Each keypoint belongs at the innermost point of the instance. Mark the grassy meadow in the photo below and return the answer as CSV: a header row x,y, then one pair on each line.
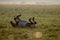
x,y
47,17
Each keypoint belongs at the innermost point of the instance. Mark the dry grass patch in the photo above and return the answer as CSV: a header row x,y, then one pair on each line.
x,y
38,34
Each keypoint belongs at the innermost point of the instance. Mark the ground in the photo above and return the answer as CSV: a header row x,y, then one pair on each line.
x,y
47,17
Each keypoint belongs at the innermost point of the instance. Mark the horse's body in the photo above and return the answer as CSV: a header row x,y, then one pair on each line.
x,y
23,23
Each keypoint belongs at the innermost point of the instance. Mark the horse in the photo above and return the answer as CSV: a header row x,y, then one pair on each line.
x,y
23,23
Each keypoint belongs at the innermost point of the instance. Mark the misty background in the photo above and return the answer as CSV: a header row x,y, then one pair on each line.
x,y
31,1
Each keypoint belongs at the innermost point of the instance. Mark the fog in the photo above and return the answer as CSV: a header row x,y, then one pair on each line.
x,y
30,1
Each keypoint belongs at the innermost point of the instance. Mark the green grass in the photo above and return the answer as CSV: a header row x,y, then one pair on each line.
x,y
47,17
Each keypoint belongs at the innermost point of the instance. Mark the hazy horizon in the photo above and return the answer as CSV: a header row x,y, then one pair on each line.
x,y
31,1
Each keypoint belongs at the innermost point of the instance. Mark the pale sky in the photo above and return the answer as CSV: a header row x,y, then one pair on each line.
x,y
30,0
45,1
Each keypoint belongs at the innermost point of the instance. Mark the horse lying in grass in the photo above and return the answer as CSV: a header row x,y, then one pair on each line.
x,y
23,23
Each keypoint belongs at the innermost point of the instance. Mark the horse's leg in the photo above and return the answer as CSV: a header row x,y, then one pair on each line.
x,y
34,20
18,15
13,24
33,24
30,21
17,19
